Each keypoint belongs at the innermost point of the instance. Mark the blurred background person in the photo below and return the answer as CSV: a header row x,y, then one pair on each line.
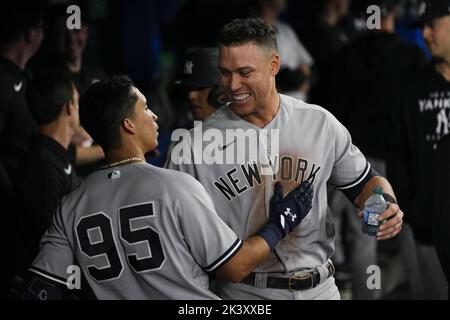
x,y
201,83
361,91
441,205
422,121
326,37
295,74
64,48
21,34
362,88
47,172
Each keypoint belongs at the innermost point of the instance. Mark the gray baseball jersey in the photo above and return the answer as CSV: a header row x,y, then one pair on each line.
x,y
313,146
138,232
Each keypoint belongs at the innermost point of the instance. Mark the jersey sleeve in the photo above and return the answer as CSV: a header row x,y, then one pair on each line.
x,y
212,243
351,170
55,254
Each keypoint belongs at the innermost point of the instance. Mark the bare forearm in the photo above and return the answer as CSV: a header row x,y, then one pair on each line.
x,y
253,252
88,155
370,186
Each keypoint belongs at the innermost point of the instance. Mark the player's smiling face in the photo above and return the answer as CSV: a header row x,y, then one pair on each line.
x,y
248,76
147,129
436,37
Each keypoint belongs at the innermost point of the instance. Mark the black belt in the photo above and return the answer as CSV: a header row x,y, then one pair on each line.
x,y
303,281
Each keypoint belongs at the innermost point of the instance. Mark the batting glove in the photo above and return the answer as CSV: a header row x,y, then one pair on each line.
x,y
287,213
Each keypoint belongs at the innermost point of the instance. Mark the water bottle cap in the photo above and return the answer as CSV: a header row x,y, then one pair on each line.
x,y
378,190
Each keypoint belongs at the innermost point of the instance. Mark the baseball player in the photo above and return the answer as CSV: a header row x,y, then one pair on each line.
x,y
201,80
141,232
313,146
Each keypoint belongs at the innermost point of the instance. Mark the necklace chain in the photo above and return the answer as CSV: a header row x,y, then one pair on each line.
x,y
122,162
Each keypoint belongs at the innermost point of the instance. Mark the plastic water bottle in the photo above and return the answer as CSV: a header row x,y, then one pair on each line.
x,y
374,206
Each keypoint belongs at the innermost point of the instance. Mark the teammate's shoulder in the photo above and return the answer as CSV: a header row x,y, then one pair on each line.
x,y
300,106
144,175
170,179
222,118
310,115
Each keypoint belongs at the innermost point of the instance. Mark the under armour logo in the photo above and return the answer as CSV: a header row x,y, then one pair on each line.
x,y
290,214
188,67
422,8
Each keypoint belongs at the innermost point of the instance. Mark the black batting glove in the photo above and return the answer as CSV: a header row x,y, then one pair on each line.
x,y
287,213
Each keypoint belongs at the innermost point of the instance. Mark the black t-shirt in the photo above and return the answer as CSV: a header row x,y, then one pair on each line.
x,y
421,123
441,204
16,121
324,41
87,77
363,85
45,177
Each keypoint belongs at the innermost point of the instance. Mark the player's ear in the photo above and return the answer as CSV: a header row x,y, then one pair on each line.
x,y
129,126
275,64
67,108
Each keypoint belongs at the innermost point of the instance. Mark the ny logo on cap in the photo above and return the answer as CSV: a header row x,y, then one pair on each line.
x,y
422,8
289,213
188,67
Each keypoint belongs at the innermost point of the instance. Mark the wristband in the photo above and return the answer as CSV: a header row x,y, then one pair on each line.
x,y
272,234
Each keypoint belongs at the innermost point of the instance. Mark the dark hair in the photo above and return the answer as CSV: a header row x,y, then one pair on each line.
x,y
47,94
104,106
19,17
256,30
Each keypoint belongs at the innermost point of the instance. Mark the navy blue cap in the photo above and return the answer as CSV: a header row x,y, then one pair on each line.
x,y
429,10
201,69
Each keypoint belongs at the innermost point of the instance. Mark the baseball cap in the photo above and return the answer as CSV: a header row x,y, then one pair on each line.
x,y
200,69
429,10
